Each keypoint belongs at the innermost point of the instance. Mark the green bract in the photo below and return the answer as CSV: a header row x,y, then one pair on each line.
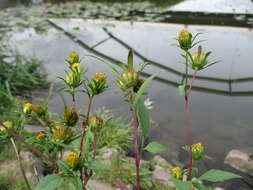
x,y
185,40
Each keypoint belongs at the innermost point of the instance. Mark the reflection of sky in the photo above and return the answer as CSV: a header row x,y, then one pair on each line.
x,y
221,6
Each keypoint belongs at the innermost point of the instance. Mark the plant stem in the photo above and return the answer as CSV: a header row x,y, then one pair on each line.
x,y
20,164
137,157
188,124
85,126
186,71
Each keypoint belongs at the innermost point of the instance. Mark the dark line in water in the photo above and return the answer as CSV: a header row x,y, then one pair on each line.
x,y
97,44
162,80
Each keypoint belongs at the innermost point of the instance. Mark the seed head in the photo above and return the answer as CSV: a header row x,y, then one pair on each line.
x,y
27,108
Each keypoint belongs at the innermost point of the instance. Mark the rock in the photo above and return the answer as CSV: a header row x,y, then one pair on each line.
x,y
33,128
162,176
218,188
94,184
160,161
240,160
107,155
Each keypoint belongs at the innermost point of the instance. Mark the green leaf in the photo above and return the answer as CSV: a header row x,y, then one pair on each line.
x,y
63,166
141,90
215,175
130,60
182,185
50,182
155,148
143,118
200,186
71,183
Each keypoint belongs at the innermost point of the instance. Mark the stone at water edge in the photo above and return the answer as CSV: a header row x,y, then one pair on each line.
x,y
162,176
103,186
158,160
240,160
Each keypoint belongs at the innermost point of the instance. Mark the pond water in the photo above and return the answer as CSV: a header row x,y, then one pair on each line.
x,y
221,102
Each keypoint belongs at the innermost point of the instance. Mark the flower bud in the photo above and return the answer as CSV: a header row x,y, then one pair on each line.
x,y
96,122
197,151
198,61
77,67
40,136
70,116
61,133
128,79
98,83
73,78
7,124
73,58
37,108
176,172
27,108
73,160
185,40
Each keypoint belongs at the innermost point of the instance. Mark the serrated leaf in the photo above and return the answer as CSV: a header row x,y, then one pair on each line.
x,y
50,182
143,118
142,89
155,148
215,175
182,185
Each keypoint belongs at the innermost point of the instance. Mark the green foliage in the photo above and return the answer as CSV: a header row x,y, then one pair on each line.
x,y
143,118
123,169
10,182
18,75
155,148
215,175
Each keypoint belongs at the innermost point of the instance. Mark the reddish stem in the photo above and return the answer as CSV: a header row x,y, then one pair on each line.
x,y
188,124
137,157
85,126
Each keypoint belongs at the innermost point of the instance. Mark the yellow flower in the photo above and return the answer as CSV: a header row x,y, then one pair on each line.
x,y
40,136
77,67
128,79
176,172
197,151
185,39
198,62
96,122
98,83
8,124
70,116
37,108
61,134
27,108
100,77
73,58
72,160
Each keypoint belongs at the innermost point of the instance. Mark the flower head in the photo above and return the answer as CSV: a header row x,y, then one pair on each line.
x,y
61,133
73,160
27,108
197,151
73,78
40,136
198,61
73,58
185,39
7,124
38,109
128,80
77,67
96,122
70,116
98,83
176,172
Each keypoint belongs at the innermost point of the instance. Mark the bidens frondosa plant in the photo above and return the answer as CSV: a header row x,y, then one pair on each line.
x,y
186,179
